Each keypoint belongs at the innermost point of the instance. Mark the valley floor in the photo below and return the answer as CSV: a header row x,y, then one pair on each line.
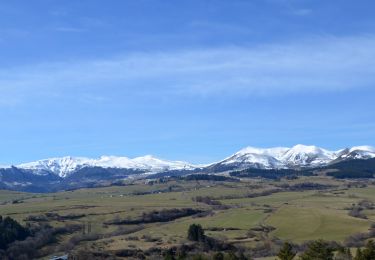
x,y
251,214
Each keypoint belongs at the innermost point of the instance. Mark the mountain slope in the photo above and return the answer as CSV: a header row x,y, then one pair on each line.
x,y
295,157
355,153
65,166
301,155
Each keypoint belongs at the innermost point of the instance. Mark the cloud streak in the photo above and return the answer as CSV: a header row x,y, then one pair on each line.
x,y
320,65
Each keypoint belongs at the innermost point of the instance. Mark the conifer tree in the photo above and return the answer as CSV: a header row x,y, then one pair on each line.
x,y
343,254
368,253
196,233
318,250
286,252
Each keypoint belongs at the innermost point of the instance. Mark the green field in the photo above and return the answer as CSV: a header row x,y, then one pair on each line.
x,y
295,216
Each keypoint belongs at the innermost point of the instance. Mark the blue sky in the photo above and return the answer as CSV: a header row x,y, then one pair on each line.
x,y
192,80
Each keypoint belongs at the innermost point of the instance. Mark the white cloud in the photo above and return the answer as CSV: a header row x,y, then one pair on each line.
x,y
319,65
302,12
69,29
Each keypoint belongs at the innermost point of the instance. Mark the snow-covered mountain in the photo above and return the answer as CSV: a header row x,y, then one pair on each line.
x,y
294,157
256,157
63,173
356,152
302,155
64,166
250,157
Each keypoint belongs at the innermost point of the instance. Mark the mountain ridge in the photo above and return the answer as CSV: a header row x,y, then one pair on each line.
x,y
68,172
298,156
64,166
265,158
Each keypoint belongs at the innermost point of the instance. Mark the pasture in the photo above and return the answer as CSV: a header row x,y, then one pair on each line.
x,y
240,217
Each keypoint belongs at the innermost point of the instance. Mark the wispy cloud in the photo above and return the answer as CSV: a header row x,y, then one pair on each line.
x,y
13,32
301,12
69,29
219,27
319,65
59,12
293,7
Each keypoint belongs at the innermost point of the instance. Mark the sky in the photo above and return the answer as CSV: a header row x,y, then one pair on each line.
x,y
192,80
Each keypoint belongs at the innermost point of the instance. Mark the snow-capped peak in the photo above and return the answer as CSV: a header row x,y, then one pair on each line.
x,y
303,155
256,157
148,163
274,152
64,166
268,158
296,156
60,166
357,152
311,149
364,148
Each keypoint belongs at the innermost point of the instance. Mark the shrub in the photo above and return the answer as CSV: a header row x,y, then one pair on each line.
x,y
218,256
10,231
164,215
318,250
286,252
368,253
196,233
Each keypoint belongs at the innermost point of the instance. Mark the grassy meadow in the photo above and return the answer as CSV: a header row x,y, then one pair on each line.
x,y
242,219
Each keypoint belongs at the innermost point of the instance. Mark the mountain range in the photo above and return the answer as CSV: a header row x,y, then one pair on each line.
x,y
76,172
65,166
299,156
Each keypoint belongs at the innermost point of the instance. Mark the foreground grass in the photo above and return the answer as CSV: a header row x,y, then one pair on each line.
x,y
300,224
296,216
